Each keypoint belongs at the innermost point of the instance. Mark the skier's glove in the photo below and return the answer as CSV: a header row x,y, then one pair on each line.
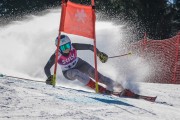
x,y
49,80
1,75
102,57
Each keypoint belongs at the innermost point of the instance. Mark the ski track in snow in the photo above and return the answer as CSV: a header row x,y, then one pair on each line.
x,y
24,100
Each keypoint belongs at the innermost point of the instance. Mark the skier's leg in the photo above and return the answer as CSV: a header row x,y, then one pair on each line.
x,y
102,89
73,74
90,71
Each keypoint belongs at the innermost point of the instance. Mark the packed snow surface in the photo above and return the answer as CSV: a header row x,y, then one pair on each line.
x,y
25,100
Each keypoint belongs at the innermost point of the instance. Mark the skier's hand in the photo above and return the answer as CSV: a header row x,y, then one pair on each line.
x,y
49,80
102,57
1,75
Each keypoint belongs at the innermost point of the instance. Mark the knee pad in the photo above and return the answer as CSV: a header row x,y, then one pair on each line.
x,y
70,75
76,74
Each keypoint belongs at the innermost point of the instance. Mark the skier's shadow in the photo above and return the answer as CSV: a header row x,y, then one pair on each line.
x,y
107,100
118,102
111,101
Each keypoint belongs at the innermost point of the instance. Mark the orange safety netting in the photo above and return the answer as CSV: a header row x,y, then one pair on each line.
x,y
163,56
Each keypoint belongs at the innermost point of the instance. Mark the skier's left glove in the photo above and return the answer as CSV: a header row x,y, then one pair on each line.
x,y
49,80
102,57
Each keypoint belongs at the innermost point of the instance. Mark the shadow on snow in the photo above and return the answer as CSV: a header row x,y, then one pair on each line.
x,y
111,101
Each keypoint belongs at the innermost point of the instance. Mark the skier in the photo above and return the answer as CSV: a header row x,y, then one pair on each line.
x,y
74,67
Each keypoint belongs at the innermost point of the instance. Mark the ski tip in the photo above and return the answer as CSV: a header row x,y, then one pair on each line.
x,y
148,98
153,99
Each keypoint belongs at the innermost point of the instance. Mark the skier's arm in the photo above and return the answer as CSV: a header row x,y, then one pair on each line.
x,y
79,46
102,56
50,63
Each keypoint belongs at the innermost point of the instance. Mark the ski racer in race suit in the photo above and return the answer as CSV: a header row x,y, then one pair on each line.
x,y
74,67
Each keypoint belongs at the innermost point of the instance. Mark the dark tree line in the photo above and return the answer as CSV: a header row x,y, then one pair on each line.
x,y
16,9
10,8
159,18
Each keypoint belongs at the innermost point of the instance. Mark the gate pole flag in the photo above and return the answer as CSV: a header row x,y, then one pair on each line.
x,y
79,20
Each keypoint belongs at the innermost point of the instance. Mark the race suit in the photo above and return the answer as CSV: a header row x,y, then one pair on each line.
x,y
74,67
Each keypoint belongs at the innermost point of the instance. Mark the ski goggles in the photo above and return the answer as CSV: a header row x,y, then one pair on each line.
x,y
65,46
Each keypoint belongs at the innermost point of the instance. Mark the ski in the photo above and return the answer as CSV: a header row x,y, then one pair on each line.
x,y
148,98
129,94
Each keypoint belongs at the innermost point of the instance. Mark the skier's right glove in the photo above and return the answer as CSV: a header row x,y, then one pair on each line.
x,y
49,80
102,57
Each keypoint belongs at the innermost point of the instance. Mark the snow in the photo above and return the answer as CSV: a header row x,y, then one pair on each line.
x,y
25,47
27,100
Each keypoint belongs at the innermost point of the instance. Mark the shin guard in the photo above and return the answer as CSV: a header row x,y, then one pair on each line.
x,y
102,89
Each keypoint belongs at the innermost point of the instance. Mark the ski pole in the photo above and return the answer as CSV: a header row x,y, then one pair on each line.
x,y
121,55
1,75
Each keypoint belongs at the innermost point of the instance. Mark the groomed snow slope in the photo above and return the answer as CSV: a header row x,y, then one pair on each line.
x,y
25,100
